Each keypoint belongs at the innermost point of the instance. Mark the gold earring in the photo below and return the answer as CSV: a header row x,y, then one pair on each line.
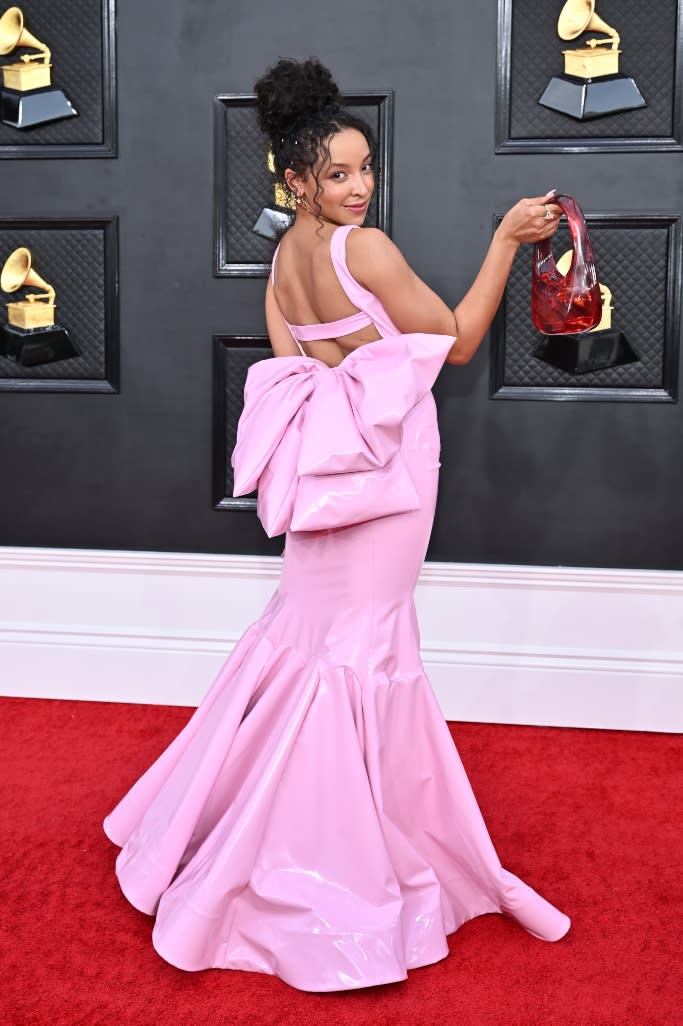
x,y
305,205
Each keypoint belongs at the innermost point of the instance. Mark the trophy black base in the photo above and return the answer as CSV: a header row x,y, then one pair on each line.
x,y
272,223
585,98
37,346
37,107
586,351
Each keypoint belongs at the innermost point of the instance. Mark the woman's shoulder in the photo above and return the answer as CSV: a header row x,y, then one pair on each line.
x,y
368,238
371,253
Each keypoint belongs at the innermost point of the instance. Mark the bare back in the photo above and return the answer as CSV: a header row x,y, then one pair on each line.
x,y
308,291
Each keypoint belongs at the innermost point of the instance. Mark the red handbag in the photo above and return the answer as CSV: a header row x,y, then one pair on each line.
x,y
570,303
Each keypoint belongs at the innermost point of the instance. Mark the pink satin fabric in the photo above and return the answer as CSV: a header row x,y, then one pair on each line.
x,y
313,820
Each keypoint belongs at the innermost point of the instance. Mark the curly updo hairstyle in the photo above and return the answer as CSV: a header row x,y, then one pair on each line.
x,y
299,108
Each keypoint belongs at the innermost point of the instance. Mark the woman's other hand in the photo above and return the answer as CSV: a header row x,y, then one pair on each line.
x,y
528,220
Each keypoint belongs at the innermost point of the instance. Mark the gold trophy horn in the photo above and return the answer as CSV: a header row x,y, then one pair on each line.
x,y
14,34
38,309
579,16
33,70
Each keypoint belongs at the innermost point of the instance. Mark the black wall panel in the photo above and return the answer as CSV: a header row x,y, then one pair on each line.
x,y
586,484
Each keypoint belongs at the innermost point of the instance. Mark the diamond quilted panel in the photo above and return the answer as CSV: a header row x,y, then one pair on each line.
x,y
648,44
633,262
74,34
238,357
72,261
247,186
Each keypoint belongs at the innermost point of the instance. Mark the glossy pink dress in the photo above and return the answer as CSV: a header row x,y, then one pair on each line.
x,y
313,819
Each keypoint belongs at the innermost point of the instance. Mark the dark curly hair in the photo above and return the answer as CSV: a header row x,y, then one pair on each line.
x,y
299,108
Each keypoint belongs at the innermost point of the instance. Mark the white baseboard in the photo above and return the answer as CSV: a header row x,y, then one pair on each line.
x,y
536,645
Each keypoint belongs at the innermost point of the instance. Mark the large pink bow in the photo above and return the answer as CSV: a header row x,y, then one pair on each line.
x,y
322,444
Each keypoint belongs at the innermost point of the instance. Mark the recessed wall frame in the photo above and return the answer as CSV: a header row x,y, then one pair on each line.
x,y
638,258
530,54
78,257
82,38
243,185
233,355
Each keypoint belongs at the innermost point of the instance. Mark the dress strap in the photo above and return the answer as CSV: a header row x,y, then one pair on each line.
x,y
272,264
355,292
331,329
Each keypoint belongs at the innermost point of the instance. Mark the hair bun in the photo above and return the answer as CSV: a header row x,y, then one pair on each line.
x,y
291,92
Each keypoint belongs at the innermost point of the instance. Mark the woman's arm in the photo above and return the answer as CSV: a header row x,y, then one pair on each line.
x,y
378,264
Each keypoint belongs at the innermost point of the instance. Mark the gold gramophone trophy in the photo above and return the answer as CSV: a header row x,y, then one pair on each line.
x,y
598,349
31,336
273,221
592,84
27,97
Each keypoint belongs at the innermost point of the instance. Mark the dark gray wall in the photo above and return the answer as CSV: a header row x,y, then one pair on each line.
x,y
587,484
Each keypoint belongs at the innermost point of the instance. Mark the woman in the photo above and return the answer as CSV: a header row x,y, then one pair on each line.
x,y
313,820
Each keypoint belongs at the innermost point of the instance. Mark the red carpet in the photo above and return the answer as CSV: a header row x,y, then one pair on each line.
x,y
591,818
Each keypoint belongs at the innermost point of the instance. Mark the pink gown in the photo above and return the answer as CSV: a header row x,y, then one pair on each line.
x,y
313,819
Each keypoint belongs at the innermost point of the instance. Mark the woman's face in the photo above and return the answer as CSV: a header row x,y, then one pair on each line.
x,y
346,184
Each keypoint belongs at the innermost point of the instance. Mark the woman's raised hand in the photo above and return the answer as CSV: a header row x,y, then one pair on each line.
x,y
531,220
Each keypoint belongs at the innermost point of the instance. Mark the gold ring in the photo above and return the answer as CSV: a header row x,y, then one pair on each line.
x,y
548,216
